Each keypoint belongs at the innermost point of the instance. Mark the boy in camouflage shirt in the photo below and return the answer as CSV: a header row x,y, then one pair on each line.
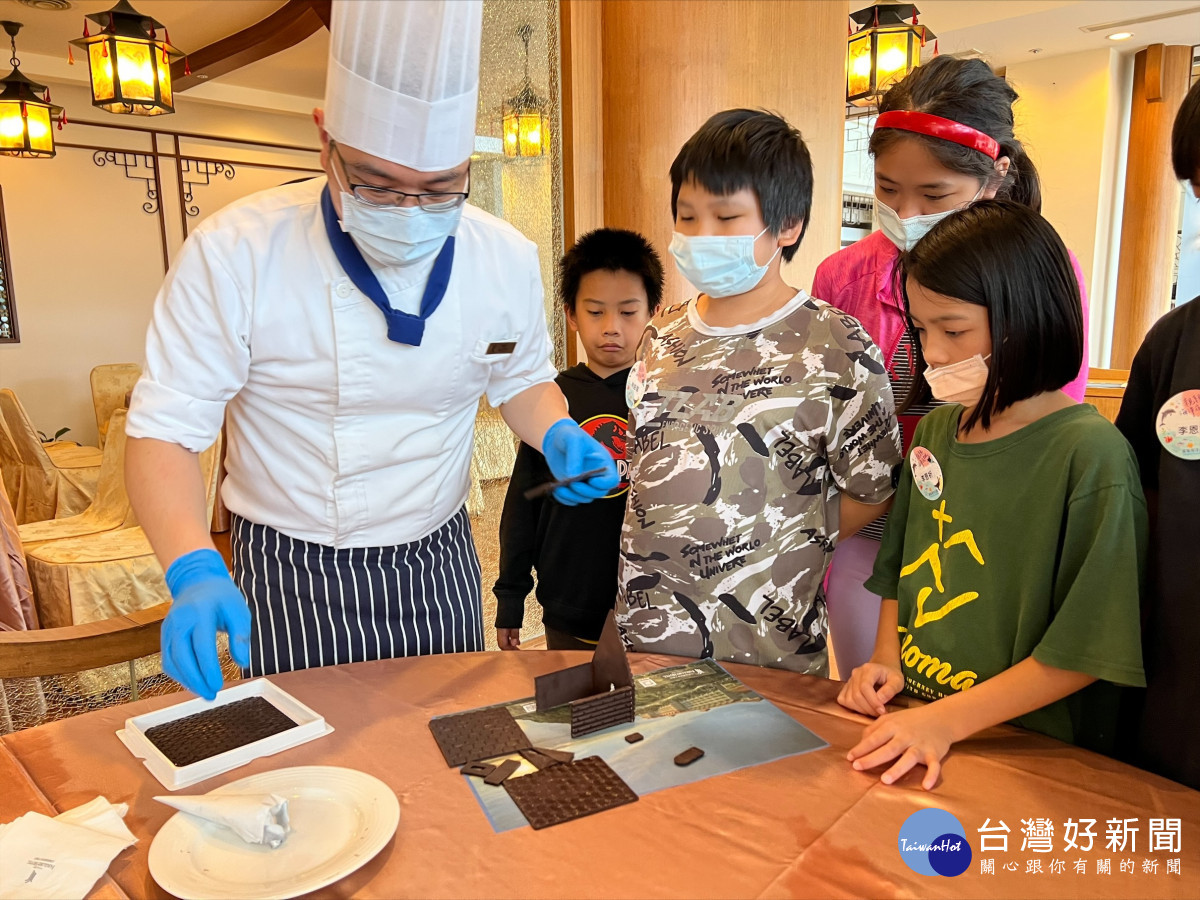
x,y
762,426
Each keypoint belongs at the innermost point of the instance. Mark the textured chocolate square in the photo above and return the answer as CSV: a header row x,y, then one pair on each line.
x,y
633,737
479,734
497,776
218,730
569,791
688,756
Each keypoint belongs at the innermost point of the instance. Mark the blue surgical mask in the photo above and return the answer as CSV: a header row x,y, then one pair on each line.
x,y
720,265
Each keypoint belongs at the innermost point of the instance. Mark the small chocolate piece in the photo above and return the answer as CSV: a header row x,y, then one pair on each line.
x,y
688,756
479,734
217,730
478,769
568,791
563,756
634,737
499,773
539,759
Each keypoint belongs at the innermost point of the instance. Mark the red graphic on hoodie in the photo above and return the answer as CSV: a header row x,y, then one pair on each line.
x,y
611,431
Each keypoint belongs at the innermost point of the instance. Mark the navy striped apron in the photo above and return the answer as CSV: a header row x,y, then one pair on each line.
x,y
313,605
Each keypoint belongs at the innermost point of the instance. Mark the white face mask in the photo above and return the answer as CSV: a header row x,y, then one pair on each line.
x,y
905,233
720,265
962,382
396,236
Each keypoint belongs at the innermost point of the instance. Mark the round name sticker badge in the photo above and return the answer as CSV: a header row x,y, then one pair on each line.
x,y
1178,425
927,473
635,385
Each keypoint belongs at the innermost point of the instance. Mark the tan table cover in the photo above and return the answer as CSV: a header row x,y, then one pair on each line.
x,y
109,510
98,576
111,385
805,826
39,486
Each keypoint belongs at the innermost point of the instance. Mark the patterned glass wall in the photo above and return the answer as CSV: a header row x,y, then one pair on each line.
x,y
526,192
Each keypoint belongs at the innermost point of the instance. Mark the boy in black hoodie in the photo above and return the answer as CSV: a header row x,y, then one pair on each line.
x,y
612,282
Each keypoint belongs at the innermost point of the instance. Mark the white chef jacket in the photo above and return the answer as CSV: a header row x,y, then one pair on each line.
x,y
336,435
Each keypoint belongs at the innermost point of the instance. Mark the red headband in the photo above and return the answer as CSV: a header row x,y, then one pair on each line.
x,y
936,126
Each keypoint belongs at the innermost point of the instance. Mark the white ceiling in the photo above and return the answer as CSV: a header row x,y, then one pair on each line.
x,y
1004,32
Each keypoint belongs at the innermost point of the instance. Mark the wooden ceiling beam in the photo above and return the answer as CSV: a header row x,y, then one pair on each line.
x,y
292,23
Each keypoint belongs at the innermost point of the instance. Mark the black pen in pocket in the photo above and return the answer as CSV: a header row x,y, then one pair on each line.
x,y
542,489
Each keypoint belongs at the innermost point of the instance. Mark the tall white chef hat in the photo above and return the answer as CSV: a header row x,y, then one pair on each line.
x,y
403,79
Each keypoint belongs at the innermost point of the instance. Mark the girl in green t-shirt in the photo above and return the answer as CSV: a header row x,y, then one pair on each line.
x,y
1014,552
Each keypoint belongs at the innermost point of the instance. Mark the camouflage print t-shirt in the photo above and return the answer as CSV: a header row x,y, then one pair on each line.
x,y
740,442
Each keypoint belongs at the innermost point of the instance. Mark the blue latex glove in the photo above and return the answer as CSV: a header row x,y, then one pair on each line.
x,y
571,451
205,601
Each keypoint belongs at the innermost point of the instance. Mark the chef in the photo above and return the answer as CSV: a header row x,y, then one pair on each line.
x,y
344,330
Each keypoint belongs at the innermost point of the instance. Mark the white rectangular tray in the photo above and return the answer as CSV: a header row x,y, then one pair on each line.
x,y
309,726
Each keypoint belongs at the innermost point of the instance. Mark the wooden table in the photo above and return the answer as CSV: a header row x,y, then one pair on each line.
x,y
803,826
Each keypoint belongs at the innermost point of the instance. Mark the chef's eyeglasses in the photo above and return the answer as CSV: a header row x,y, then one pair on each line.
x,y
381,196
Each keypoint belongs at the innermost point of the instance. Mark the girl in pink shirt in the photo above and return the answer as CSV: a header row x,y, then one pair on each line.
x,y
943,139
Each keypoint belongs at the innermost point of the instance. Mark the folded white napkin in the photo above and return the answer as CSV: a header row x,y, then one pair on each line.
x,y
61,857
255,818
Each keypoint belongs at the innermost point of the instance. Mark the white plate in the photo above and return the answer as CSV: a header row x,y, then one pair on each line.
x,y
340,819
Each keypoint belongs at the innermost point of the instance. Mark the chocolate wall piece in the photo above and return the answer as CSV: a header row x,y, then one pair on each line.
x,y
608,669
540,759
601,711
569,791
563,756
479,734
218,730
501,772
688,756
633,737
478,769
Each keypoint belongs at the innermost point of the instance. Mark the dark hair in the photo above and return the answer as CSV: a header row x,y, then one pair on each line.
x,y
966,91
747,148
1185,136
1002,255
611,250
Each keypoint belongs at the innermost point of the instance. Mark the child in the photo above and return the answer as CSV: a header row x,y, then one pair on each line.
x,y
1161,410
1011,561
943,140
612,283
763,424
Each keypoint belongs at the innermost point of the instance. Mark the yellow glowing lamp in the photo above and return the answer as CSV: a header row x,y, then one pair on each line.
x,y
525,124
27,117
526,128
885,47
130,62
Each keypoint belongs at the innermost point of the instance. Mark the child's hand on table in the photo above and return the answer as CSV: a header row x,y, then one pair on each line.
x,y
918,736
508,638
870,687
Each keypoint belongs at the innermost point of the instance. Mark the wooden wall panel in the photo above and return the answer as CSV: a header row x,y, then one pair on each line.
x,y
668,66
1150,218
583,126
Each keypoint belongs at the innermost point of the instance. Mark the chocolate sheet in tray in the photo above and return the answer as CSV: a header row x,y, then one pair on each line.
x,y
192,741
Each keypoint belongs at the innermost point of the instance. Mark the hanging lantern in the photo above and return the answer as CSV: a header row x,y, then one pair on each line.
x,y
526,126
130,62
26,114
884,48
